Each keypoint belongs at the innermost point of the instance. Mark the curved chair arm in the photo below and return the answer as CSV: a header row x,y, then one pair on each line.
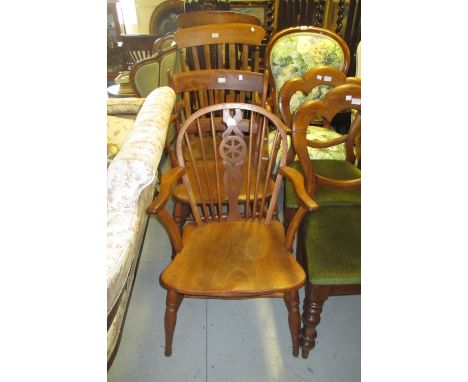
x,y
297,180
168,181
306,203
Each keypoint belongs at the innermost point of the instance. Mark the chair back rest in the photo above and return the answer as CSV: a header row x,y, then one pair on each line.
x,y
220,46
314,85
294,51
163,43
136,47
344,97
201,88
151,73
241,161
191,19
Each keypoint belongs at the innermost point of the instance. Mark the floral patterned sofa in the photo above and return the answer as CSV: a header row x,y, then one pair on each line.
x,y
136,136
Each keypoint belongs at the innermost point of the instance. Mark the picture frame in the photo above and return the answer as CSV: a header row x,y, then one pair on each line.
x,y
258,9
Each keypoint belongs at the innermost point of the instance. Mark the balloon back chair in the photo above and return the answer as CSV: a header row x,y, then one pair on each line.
x,y
208,87
236,250
316,82
329,241
294,51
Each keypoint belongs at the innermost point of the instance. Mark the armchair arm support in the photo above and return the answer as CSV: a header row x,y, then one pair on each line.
x,y
306,203
297,180
168,181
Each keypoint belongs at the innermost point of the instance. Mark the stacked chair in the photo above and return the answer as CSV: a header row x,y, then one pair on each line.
x,y
239,131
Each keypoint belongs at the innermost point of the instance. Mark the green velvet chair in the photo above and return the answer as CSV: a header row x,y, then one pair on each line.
x,y
317,81
329,242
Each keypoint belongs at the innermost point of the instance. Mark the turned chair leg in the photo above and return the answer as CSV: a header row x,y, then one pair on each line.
x,y
315,296
180,213
291,300
173,301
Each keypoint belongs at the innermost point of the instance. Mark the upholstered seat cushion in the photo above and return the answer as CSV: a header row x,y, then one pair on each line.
x,y
332,245
238,258
335,169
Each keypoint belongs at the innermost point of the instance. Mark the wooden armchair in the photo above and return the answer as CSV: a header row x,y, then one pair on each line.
x,y
329,241
208,87
237,250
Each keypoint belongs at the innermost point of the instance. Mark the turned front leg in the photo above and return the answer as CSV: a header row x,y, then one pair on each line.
x,y
313,304
294,318
173,301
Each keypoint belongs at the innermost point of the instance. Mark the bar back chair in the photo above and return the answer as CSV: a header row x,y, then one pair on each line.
x,y
236,250
329,241
191,19
220,46
294,51
209,87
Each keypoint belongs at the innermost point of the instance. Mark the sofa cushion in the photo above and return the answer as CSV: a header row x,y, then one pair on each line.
x,y
332,245
335,169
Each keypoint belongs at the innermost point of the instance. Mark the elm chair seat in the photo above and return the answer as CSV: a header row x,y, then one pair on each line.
x,y
335,169
231,264
333,245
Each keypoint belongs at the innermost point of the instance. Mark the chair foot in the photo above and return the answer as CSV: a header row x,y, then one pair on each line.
x,y
294,318
313,304
173,301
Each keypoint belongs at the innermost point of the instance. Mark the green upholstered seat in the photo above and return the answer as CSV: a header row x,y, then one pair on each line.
x,y
332,245
335,169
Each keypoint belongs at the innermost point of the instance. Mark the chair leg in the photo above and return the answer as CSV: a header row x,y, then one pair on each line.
x,y
180,213
294,318
173,301
315,296
288,214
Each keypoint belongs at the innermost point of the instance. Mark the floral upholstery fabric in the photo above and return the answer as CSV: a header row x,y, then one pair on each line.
x,y
121,113
320,134
295,54
131,180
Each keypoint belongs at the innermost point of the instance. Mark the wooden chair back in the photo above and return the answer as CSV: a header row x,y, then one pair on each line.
x,y
294,51
163,43
318,80
236,163
220,46
202,88
341,98
191,19
136,47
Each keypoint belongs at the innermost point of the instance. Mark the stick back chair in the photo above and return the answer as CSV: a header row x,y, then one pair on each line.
x,y
294,51
329,240
238,250
209,87
136,47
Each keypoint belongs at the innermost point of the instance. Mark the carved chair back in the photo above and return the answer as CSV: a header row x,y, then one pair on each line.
x,y
220,46
238,173
314,85
294,51
136,47
191,19
341,98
